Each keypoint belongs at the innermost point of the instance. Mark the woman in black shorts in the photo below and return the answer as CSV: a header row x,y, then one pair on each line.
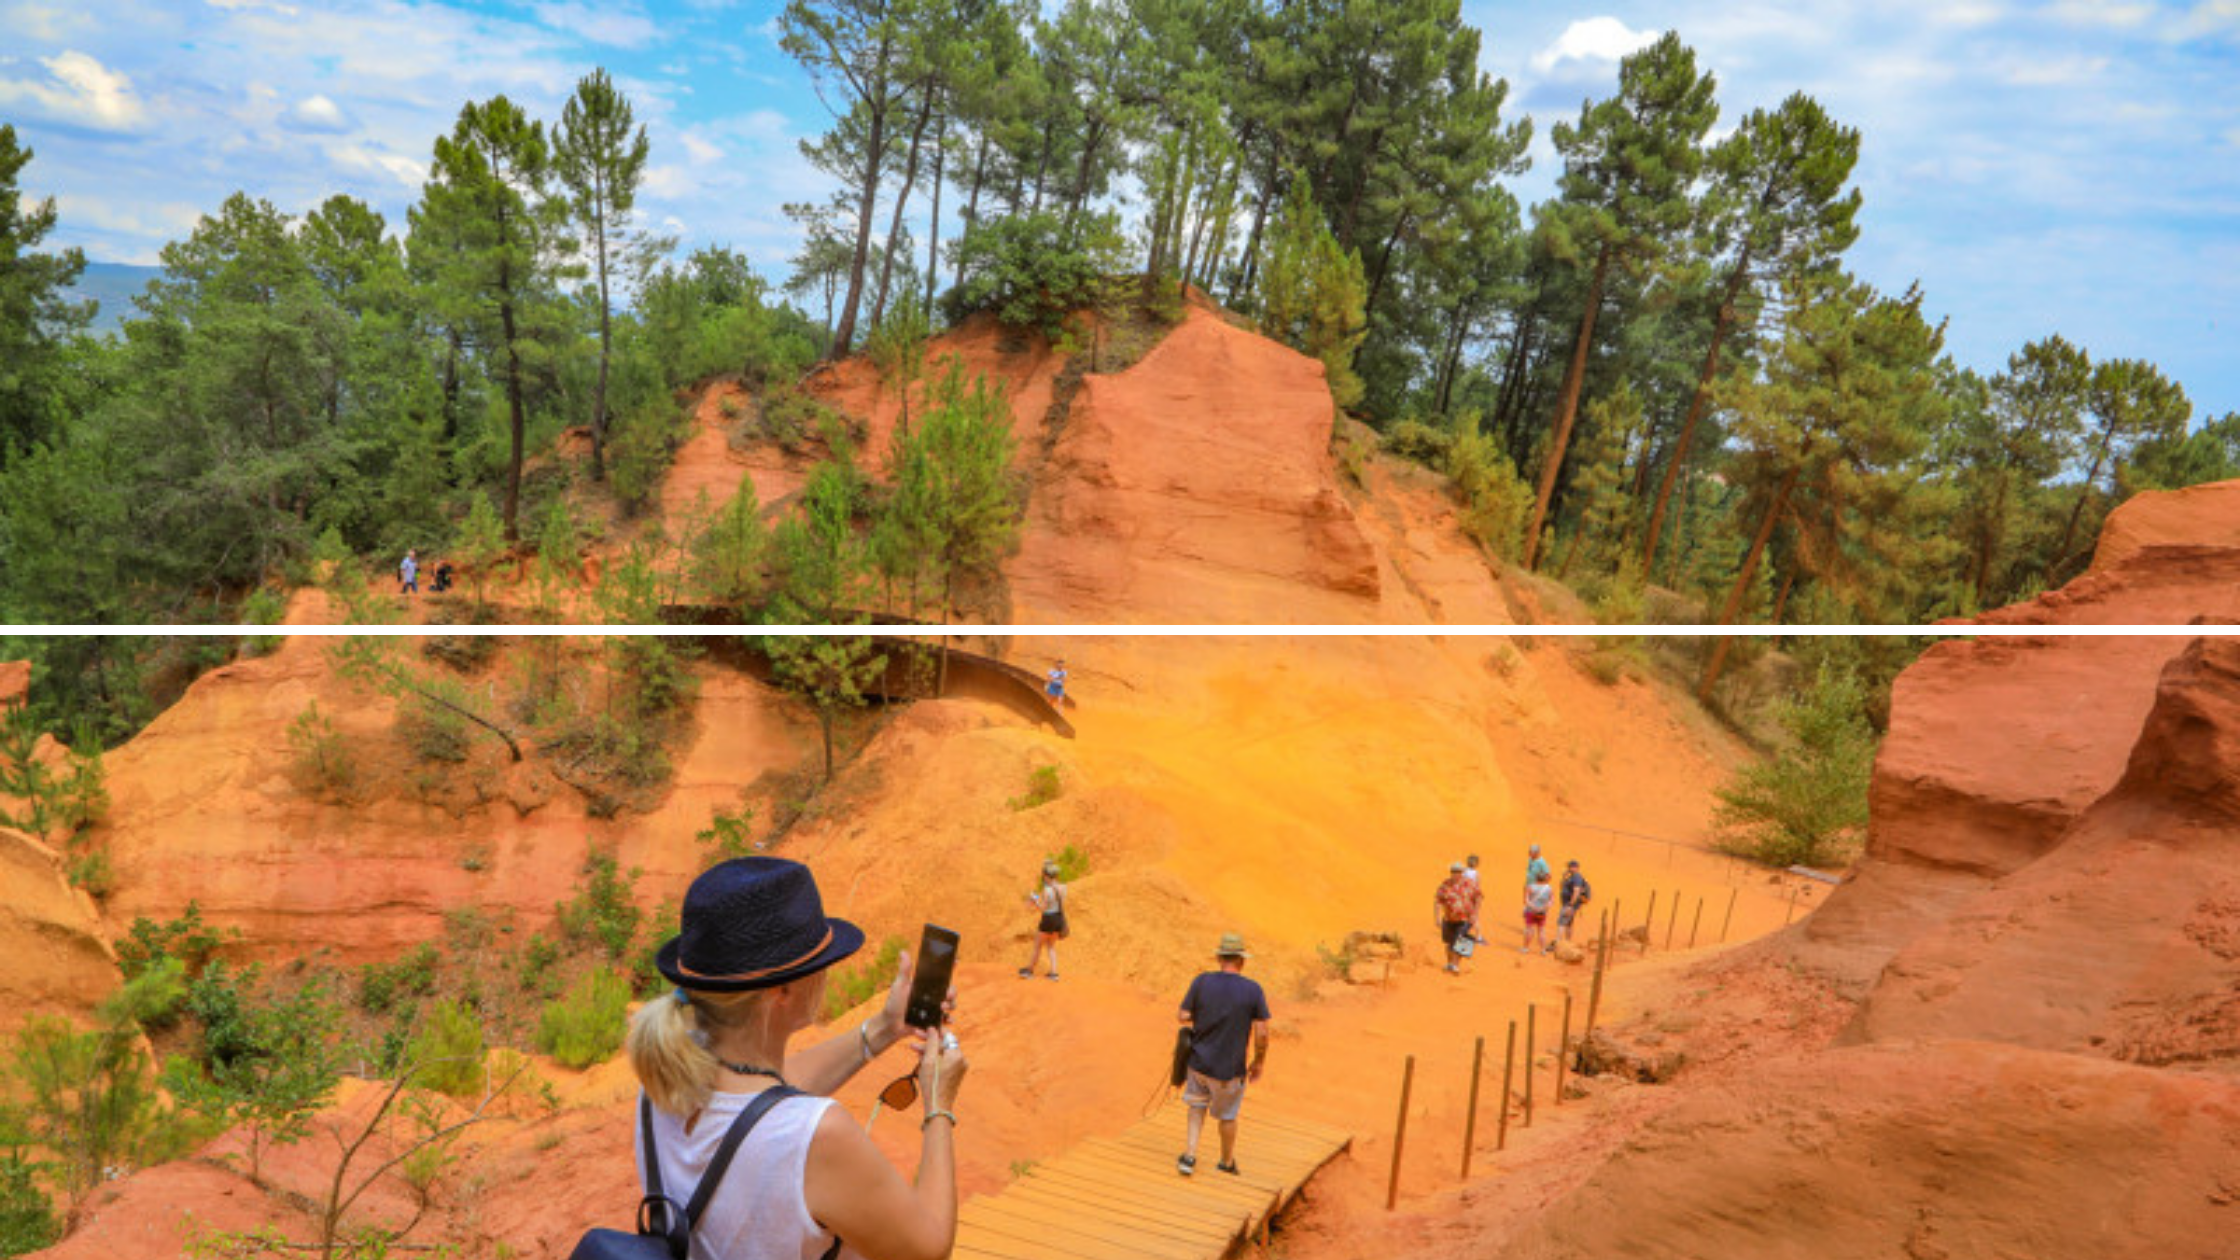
x,y
1050,903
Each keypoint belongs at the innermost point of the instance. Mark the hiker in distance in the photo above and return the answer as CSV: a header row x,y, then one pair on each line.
x,y
408,573
1454,907
1574,896
749,966
1054,686
1050,904
1222,1010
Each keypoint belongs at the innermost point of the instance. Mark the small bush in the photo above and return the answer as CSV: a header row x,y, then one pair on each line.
x,y
1496,502
1423,443
91,871
729,834
186,938
1072,864
539,954
603,912
851,987
264,607
434,733
585,1025
1042,788
323,763
1806,805
448,1050
380,988
1035,270
27,1221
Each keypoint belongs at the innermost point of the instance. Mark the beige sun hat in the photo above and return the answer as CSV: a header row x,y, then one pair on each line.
x,y
1232,946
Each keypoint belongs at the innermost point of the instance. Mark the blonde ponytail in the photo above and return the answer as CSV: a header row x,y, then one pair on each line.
x,y
667,1046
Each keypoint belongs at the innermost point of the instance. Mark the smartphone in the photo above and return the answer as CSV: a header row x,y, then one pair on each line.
x,y
929,987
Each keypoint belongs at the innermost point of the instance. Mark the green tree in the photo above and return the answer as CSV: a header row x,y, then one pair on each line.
x,y
36,316
1776,205
278,1065
479,544
89,1097
821,567
601,164
1807,804
1313,294
1628,163
2130,402
488,199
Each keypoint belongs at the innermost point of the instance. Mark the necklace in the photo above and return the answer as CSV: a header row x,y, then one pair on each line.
x,y
749,1069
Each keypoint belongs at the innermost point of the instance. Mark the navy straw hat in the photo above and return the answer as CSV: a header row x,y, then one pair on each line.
x,y
754,923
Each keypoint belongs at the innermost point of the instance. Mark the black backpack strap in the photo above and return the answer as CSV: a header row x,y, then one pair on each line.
x,y
706,1190
671,1226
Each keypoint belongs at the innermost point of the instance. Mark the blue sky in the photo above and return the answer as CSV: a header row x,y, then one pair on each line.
x,y
2067,167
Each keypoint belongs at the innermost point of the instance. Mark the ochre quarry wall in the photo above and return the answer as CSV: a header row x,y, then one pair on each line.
x,y
2043,940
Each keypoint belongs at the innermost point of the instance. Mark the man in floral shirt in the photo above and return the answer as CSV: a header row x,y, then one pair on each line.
x,y
1456,907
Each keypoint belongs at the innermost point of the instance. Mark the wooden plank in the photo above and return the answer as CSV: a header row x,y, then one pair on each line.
x,y
1007,1240
1057,1222
1151,1197
1279,1123
1136,1159
1043,1197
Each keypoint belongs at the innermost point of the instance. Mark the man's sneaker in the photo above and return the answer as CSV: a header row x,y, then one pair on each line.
x,y
1186,1165
1230,1169
1053,975
1026,973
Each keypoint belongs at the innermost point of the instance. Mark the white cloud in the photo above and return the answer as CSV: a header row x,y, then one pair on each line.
x,y
1967,13
159,220
1592,39
83,92
2066,72
2108,13
701,151
602,24
2211,17
49,24
374,161
318,112
284,10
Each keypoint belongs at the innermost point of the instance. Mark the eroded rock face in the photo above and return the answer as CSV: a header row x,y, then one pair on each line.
x,y
15,681
2197,516
1942,1149
53,956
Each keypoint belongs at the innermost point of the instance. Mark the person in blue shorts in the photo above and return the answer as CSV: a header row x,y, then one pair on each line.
x,y
1223,1011
1056,687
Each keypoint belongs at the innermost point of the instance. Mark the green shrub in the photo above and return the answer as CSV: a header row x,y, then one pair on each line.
x,y
433,732
323,762
265,606
603,912
186,938
1072,864
729,834
380,988
1807,804
585,1025
539,954
852,986
447,1051
1033,270
1423,443
27,1220
1495,500
91,871
1042,788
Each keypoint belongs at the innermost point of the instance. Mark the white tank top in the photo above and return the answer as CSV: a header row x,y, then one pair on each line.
x,y
759,1212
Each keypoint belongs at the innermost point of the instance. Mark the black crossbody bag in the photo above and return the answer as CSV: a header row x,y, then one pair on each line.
x,y
664,1229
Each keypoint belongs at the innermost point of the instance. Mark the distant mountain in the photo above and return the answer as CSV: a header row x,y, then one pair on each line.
x,y
113,285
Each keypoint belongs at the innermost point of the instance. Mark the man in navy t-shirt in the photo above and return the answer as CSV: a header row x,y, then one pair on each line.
x,y
1224,1011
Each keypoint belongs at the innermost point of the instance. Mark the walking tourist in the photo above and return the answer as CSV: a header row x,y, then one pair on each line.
x,y
1055,687
408,574
1538,896
1575,894
1050,903
1223,1010
1455,907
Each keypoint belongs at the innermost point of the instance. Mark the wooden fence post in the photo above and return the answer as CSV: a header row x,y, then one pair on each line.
x,y
1792,908
1563,1046
1400,1133
1470,1124
1673,924
1601,960
1531,1021
1649,924
1696,927
1508,1072
1729,921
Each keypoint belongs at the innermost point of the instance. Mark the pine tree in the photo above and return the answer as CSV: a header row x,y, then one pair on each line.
x,y
601,164
1628,163
35,314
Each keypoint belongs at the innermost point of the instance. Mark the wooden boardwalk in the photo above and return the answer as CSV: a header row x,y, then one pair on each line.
x,y
1120,1198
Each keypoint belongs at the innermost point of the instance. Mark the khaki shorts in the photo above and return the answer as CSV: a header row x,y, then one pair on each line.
x,y
1226,1098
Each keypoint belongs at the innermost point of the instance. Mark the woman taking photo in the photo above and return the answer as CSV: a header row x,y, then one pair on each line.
x,y
805,1183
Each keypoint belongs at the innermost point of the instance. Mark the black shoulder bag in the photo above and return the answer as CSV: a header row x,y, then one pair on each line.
x,y
664,1229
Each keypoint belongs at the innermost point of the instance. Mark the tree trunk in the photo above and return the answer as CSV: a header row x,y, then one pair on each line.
x,y
1450,365
1733,605
519,416
1247,273
1567,410
606,331
972,204
933,232
1696,406
867,204
2084,494
1384,264
901,203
